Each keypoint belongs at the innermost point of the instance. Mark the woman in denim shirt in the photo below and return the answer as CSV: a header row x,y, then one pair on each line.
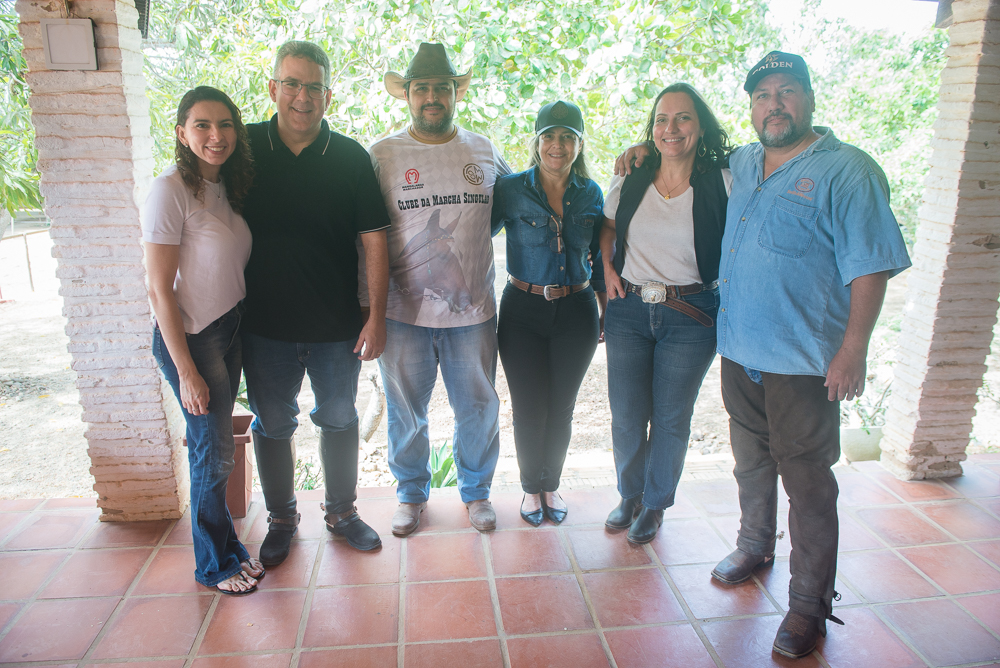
x,y
550,313
661,239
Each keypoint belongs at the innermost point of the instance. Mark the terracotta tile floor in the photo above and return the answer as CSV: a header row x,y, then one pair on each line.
x,y
919,575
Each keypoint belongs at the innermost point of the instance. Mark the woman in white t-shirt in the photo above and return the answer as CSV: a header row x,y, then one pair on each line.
x,y
197,245
661,245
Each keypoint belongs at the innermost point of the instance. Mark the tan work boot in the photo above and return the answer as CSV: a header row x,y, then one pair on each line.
x,y
481,515
406,519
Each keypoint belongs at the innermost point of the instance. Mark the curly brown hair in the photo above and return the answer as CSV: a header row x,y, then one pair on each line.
x,y
715,141
237,171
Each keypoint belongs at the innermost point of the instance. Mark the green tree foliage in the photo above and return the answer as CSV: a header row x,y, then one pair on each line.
x,y
610,57
877,90
881,94
18,178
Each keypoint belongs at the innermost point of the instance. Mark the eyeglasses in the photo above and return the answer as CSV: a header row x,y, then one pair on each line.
x,y
292,87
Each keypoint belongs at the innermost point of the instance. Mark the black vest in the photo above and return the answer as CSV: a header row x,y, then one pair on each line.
x,y
708,210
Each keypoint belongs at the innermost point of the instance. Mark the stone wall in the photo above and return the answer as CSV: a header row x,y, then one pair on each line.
x,y
95,158
951,304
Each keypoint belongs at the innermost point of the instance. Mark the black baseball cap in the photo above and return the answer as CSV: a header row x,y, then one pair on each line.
x,y
778,62
560,114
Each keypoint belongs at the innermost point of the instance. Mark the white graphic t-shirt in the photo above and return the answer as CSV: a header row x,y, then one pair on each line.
x,y
439,198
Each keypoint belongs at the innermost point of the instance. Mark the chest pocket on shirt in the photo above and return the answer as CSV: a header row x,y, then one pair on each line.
x,y
580,230
789,228
533,231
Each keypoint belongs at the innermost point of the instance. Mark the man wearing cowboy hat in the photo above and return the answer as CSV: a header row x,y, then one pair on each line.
x,y
437,180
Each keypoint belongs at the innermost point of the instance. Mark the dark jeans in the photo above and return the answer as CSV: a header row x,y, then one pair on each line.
x,y
546,348
274,371
216,353
787,426
657,360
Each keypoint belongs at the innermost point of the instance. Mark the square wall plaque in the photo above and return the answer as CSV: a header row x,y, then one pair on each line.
x,y
69,44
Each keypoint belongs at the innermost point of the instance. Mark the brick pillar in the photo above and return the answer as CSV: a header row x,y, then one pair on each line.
x,y
951,303
95,158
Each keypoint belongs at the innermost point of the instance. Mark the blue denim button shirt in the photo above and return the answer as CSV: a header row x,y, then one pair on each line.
x,y
793,244
533,254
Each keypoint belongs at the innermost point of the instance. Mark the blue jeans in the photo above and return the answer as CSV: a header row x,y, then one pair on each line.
x,y
468,359
216,354
657,360
274,372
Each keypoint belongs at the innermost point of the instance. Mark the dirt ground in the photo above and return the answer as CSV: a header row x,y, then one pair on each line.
x,y
43,452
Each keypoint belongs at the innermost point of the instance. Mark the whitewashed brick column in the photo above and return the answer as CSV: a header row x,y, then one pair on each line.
x,y
951,304
95,158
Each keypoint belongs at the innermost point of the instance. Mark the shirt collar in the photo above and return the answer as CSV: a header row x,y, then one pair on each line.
x,y
827,142
319,145
532,181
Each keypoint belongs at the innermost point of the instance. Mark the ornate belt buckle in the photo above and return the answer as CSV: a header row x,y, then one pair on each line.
x,y
654,292
546,292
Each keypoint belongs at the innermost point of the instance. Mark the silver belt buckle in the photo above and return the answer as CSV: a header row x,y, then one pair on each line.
x,y
653,292
547,294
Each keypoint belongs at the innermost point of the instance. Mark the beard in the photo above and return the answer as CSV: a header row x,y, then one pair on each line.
x,y
438,127
790,135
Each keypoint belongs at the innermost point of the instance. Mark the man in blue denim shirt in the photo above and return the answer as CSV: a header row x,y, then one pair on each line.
x,y
810,242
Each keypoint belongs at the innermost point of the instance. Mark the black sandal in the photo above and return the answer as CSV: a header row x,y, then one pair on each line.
x,y
231,592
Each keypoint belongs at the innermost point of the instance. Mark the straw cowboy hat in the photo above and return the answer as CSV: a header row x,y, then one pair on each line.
x,y
431,62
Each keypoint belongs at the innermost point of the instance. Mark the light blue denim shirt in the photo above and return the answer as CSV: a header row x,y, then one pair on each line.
x,y
792,246
535,252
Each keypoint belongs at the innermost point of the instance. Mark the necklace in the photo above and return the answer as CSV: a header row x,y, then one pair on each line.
x,y
216,188
678,185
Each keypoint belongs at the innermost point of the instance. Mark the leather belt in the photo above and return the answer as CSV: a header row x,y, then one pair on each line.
x,y
550,292
672,299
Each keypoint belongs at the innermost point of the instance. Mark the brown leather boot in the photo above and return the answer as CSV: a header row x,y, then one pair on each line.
x,y
481,515
406,519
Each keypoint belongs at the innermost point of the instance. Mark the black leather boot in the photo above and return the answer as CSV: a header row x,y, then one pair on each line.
x,y
276,469
645,526
740,565
349,524
623,514
338,451
798,634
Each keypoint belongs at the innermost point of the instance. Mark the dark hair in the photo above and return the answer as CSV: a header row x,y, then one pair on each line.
x,y
579,165
237,171
715,139
308,50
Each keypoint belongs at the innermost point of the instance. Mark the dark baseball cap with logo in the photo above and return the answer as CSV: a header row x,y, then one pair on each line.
x,y
778,62
560,114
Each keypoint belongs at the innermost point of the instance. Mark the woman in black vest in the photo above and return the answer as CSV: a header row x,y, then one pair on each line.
x,y
661,244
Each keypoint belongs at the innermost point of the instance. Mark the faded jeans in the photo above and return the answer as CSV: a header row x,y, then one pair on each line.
x,y
468,360
657,360
216,354
274,371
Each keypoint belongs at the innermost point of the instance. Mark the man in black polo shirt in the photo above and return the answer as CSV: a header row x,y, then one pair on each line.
x,y
314,192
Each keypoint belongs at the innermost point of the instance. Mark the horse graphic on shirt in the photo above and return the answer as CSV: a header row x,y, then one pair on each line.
x,y
428,264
